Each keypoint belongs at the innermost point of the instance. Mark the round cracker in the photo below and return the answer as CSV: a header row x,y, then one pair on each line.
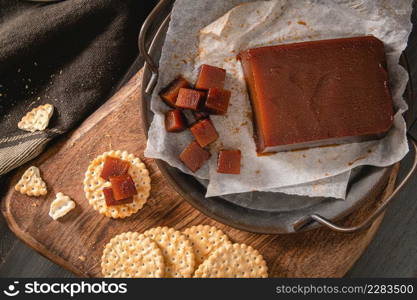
x,y
233,260
94,184
131,254
204,240
176,249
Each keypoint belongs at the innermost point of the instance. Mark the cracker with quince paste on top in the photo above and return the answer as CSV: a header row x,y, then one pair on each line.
x,y
31,183
37,119
94,184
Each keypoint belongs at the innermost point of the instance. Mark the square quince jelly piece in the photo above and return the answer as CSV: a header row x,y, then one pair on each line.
x,y
210,77
114,166
110,201
194,156
123,186
170,93
204,132
175,121
228,162
217,101
189,99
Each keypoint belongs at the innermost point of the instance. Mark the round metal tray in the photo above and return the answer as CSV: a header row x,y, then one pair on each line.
x,y
269,212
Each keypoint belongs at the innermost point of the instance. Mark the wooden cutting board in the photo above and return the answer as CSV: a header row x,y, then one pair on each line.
x,y
76,241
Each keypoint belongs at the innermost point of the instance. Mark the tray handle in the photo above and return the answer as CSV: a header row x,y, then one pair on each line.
x,y
149,62
365,224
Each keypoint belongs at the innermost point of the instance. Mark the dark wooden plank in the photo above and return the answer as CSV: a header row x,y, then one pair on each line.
x,y
22,261
393,253
7,240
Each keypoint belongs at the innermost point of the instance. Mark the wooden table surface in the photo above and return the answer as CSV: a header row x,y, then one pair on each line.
x,y
391,254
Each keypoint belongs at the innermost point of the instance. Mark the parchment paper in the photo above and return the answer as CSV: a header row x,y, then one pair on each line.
x,y
199,33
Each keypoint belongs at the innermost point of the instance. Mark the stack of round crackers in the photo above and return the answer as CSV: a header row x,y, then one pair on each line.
x,y
199,251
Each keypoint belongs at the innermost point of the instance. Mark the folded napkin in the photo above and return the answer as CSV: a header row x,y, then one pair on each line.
x,y
72,54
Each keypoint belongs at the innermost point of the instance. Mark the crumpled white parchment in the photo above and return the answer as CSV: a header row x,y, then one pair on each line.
x,y
214,32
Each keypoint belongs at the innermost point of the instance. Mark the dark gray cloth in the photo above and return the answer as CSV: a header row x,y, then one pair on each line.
x,y
72,54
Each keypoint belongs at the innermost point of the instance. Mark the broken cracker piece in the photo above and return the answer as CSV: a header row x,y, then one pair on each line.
x,y
61,206
31,183
37,119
